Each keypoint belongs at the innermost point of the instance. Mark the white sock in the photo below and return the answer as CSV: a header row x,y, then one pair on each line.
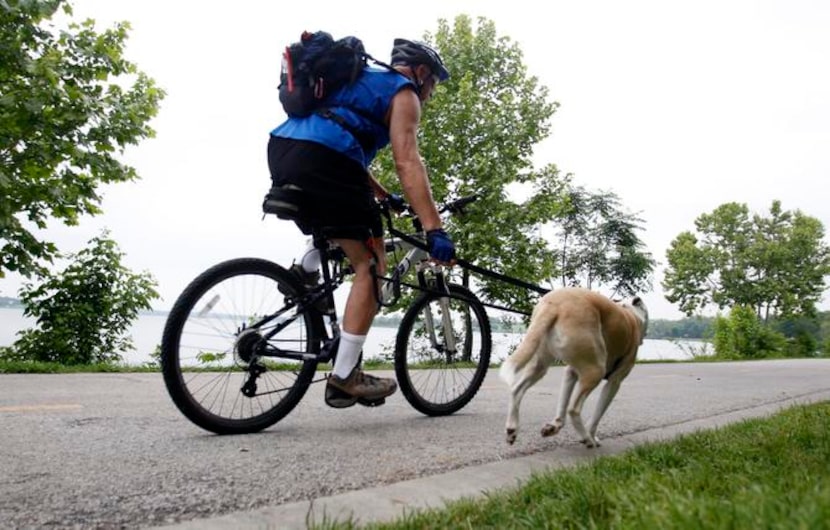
x,y
310,261
348,352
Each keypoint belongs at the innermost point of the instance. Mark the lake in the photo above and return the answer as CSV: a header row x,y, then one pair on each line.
x,y
146,334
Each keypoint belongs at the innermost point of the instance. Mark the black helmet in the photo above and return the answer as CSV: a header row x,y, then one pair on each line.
x,y
416,52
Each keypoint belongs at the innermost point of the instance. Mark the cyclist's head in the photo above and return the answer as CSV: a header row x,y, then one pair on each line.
x,y
414,53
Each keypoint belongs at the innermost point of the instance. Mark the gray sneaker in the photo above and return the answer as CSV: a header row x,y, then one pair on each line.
x,y
359,387
309,280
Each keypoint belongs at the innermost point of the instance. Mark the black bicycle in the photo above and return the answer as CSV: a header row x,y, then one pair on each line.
x,y
243,341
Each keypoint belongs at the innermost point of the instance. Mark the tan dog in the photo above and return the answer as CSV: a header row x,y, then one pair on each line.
x,y
595,337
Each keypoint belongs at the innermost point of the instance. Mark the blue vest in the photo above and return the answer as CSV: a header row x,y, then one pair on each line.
x,y
363,105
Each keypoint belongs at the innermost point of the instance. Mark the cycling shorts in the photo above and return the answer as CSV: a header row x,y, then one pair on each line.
x,y
337,193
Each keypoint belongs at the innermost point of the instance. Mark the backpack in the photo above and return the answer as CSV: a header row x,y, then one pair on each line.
x,y
317,66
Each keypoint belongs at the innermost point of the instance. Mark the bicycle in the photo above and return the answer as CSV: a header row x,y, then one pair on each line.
x,y
243,341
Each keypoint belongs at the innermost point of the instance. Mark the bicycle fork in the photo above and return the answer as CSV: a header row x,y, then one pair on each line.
x,y
449,347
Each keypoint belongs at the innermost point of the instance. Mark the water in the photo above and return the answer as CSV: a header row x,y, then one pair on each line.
x,y
146,335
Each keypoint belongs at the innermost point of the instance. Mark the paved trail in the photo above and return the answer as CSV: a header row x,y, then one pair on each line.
x,y
111,450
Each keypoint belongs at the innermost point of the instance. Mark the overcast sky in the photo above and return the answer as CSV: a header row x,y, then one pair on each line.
x,y
677,107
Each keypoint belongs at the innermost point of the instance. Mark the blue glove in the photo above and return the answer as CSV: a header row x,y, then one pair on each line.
x,y
396,202
440,245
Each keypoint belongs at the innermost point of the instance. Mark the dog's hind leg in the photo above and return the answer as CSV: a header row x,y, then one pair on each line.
x,y
589,378
531,373
569,377
609,390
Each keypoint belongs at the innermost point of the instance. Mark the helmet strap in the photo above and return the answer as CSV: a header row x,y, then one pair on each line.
x,y
419,83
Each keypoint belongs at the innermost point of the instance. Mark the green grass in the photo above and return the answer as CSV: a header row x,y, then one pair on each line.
x,y
769,473
36,367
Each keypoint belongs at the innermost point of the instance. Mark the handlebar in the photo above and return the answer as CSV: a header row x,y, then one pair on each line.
x,y
454,207
457,206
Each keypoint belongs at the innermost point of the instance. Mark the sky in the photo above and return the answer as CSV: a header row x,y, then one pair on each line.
x,y
677,107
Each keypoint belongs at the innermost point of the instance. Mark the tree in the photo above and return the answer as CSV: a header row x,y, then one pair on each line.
x,y
775,265
477,137
84,312
69,103
599,244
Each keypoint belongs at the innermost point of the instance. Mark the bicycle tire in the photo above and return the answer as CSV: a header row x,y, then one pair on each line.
x,y
202,356
434,382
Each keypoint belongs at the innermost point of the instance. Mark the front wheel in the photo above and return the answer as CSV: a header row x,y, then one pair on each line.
x,y
211,343
442,351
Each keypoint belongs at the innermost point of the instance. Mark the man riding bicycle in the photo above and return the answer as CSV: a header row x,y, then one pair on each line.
x,y
326,162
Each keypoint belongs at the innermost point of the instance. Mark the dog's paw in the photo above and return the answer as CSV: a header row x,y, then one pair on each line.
x,y
591,443
549,429
511,436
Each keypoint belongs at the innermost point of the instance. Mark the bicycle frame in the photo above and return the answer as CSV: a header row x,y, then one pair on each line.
x,y
233,327
334,273
390,291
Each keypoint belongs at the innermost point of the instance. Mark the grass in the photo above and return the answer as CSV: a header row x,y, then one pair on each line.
x,y
37,367
771,473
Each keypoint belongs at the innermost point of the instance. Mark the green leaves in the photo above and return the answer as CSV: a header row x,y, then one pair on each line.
x,y
774,264
599,244
69,104
477,136
84,312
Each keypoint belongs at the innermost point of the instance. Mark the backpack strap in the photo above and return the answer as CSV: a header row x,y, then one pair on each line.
x,y
365,140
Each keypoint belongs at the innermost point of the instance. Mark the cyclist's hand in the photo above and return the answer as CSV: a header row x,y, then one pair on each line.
x,y
396,202
440,246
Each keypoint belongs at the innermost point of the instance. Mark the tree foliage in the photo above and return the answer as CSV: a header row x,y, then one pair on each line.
x,y
477,136
775,264
598,244
84,313
69,103
742,335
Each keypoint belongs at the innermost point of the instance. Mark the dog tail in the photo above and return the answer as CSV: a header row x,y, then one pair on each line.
x,y
532,341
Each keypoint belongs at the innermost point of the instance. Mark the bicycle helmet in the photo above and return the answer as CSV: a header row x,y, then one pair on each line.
x,y
415,52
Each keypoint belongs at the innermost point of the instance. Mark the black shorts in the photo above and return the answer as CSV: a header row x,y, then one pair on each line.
x,y
338,195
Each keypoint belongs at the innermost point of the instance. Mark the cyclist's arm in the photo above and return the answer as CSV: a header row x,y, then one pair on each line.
x,y
404,117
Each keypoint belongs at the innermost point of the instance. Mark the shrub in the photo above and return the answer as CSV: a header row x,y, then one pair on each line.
x,y
84,312
743,336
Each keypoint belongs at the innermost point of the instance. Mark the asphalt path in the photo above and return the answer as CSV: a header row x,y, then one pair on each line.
x,y
112,451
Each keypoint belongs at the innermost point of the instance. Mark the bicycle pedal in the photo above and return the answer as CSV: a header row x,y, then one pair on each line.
x,y
371,402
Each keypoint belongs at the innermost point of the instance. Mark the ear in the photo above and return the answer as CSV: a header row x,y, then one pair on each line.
x,y
637,301
422,72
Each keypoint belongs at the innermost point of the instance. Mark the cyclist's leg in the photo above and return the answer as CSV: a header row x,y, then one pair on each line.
x,y
338,197
348,383
361,305
367,259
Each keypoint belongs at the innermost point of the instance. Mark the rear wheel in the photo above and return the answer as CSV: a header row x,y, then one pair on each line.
x,y
209,347
442,352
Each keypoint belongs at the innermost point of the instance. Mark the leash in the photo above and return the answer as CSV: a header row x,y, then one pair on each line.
x,y
464,264
501,277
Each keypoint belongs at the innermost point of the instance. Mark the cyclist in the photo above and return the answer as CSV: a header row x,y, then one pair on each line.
x,y
322,166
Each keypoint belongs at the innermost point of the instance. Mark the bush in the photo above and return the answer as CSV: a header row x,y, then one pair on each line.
x,y
743,336
84,312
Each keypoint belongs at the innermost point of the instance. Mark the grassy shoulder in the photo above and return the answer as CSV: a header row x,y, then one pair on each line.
x,y
37,367
760,473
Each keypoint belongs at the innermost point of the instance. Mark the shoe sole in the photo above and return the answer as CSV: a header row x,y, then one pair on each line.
x,y
344,400
341,403
346,403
